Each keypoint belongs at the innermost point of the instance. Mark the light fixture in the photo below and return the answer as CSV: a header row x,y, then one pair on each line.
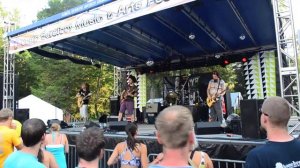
x,y
217,56
242,37
149,62
192,36
244,59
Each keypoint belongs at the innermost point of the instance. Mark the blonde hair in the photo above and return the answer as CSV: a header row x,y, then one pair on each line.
x,y
5,114
55,127
174,125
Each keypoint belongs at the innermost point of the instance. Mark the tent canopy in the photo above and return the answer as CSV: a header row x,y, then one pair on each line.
x,y
185,36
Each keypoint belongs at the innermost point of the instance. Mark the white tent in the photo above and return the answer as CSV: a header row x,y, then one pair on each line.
x,y
38,108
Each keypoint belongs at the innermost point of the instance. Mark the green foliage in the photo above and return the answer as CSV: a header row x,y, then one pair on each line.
x,y
58,81
57,6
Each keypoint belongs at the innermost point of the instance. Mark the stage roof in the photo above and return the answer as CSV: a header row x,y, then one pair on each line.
x,y
226,28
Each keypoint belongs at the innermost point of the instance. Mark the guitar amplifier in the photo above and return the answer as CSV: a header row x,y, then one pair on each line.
x,y
153,107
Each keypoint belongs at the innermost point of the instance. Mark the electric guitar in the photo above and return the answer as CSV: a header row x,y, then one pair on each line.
x,y
212,100
126,93
80,100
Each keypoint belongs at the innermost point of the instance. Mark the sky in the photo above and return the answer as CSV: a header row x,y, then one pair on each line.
x,y
29,8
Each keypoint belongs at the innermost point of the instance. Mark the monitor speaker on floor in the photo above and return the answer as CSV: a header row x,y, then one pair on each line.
x,y
250,117
202,128
89,124
117,125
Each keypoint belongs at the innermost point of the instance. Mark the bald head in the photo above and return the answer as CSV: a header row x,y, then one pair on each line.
x,y
174,124
278,111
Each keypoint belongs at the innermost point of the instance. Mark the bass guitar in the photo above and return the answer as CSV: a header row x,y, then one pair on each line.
x,y
80,99
125,94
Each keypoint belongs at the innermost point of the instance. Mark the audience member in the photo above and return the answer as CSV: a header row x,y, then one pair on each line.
x,y
47,159
57,144
90,147
16,125
281,150
175,132
196,158
199,158
33,133
131,152
8,137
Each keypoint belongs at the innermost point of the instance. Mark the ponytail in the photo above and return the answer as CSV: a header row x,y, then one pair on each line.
x,y
131,130
40,156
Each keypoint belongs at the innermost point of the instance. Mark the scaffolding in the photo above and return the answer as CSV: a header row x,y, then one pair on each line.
x,y
117,83
8,71
287,54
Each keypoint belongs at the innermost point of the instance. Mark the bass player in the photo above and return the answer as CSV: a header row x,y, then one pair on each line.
x,y
83,97
127,99
215,91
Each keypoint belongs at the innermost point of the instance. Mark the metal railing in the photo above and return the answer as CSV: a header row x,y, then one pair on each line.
x,y
72,160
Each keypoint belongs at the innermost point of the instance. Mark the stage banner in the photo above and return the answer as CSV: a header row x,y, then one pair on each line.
x,y
97,18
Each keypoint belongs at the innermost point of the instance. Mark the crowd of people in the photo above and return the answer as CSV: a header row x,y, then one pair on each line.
x,y
174,131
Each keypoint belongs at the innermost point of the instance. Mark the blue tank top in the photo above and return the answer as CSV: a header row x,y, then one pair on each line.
x,y
134,161
58,152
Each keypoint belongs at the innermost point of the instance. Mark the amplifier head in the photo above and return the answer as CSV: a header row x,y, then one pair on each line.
x,y
152,107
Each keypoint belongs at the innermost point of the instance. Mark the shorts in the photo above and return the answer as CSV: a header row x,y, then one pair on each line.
x,y
127,105
84,111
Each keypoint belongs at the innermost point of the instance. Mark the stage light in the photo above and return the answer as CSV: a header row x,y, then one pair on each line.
x,y
150,62
226,62
192,36
217,56
242,37
244,59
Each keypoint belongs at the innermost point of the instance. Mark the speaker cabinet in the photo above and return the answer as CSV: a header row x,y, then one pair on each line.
x,y
21,115
250,118
114,105
117,125
202,128
153,107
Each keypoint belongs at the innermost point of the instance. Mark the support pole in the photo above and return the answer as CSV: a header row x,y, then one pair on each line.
x,y
8,71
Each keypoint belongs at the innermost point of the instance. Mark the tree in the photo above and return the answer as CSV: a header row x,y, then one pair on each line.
x,y
57,6
58,81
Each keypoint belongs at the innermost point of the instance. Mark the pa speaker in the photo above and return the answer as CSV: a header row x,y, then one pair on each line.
x,y
250,117
117,125
114,105
21,115
202,128
89,124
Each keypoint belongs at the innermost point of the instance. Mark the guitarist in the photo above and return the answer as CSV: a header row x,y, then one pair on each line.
x,y
215,91
127,99
83,96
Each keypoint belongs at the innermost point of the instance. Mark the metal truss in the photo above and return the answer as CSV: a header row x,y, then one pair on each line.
x,y
8,71
117,83
287,54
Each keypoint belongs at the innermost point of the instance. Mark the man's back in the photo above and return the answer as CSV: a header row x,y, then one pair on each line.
x,y
275,154
8,139
20,159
